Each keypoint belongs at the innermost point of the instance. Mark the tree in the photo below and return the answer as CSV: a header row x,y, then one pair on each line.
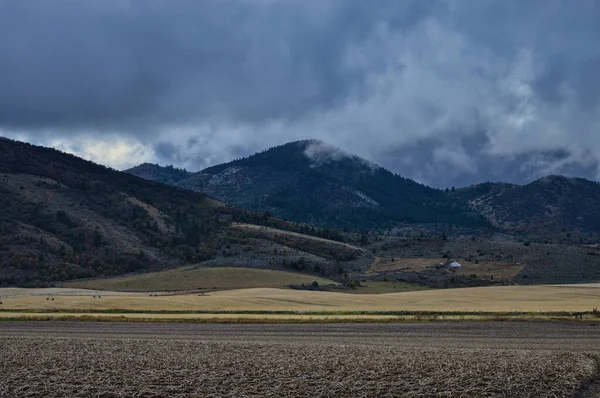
x,y
364,240
97,238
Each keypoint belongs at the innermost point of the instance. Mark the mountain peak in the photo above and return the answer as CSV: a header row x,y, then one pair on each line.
x,y
315,182
319,151
154,172
552,178
304,143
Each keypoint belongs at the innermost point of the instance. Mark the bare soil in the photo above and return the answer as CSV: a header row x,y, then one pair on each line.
x,y
64,359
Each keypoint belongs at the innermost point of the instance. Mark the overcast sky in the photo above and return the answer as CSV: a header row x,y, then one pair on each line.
x,y
445,92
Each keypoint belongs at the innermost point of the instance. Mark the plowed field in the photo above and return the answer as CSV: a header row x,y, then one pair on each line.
x,y
64,359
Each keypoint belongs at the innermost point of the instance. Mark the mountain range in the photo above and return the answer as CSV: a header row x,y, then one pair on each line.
x,y
312,182
67,218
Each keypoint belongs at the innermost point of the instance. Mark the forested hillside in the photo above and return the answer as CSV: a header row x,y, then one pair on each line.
x,y
63,217
551,207
153,172
309,181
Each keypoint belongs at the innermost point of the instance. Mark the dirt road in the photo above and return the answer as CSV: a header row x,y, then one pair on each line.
x,y
494,335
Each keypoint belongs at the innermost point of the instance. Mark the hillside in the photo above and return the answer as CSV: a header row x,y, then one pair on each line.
x,y
195,279
310,181
64,218
153,172
551,206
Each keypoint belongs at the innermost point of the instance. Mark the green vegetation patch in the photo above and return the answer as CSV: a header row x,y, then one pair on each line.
x,y
186,278
382,287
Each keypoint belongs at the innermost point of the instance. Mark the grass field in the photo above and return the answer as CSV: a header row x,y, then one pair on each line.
x,y
189,278
547,298
225,278
483,269
382,287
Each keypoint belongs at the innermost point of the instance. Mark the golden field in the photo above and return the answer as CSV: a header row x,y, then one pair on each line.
x,y
542,298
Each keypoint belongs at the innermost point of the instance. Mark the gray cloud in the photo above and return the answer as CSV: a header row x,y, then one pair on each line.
x,y
70,64
448,92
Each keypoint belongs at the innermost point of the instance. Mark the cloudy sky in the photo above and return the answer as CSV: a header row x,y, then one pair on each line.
x,y
448,92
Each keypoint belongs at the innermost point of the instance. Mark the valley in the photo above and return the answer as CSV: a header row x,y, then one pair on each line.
x,y
280,199
68,219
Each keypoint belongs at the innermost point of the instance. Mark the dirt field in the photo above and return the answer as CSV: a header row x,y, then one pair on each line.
x,y
63,359
200,278
487,299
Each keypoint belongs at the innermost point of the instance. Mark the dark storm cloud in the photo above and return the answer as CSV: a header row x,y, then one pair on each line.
x,y
125,63
446,91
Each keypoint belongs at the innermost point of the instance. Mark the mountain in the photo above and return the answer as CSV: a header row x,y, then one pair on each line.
x,y
551,205
153,172
63,218
310,181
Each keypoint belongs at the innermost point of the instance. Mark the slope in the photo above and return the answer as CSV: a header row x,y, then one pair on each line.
x,y
310,181
193,278
550,206
153,172
64,218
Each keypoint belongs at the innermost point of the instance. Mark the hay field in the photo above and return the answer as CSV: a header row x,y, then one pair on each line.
x,y
538,298
187,278
483,269
71,367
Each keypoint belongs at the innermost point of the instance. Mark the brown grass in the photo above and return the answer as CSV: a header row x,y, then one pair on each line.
x,y
58,367
280,232
487,269
153,212
483,269
487,299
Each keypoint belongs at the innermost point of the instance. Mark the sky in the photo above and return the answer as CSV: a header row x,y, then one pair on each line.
x,y
447,92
